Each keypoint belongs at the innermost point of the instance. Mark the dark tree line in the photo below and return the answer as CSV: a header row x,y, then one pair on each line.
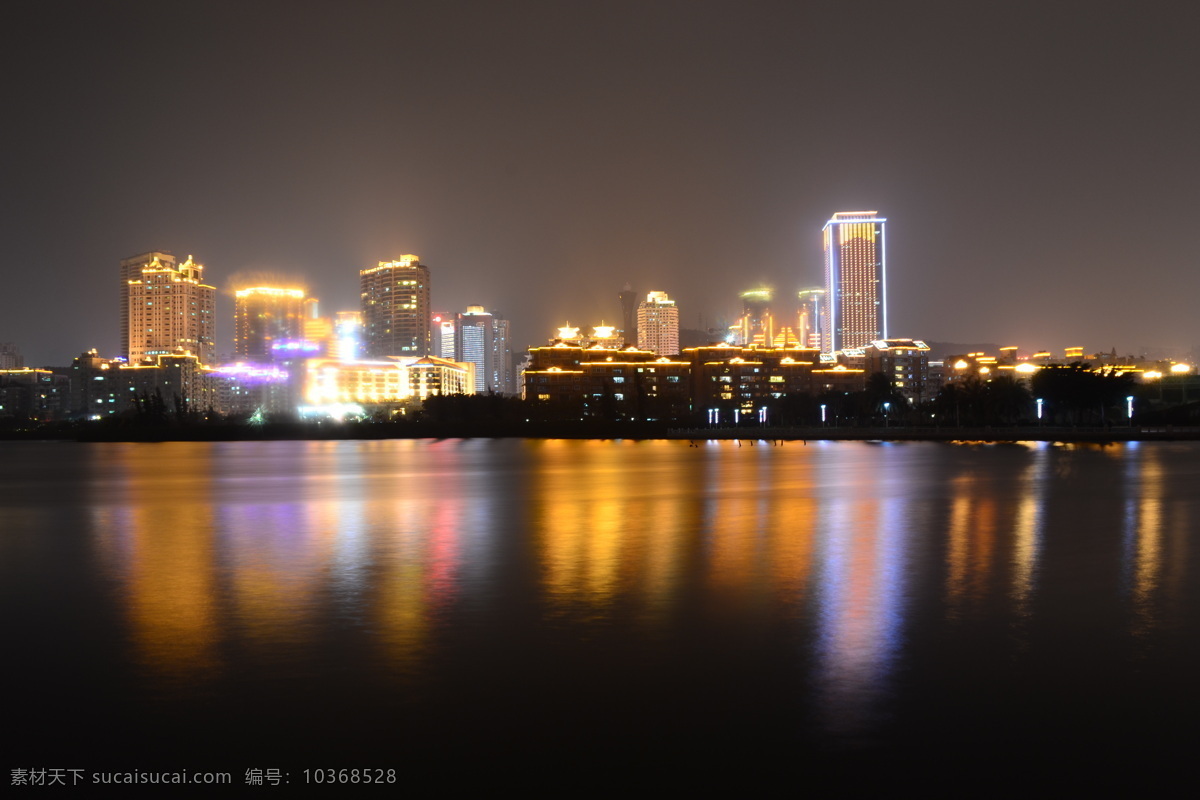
x,y
1074,394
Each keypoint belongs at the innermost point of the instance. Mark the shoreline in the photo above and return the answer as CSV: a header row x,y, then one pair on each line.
x,y
605,431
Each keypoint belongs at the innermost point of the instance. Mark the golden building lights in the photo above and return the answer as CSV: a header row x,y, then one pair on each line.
x,y
166,308
396,312
394,380
855,280
658,324
265,316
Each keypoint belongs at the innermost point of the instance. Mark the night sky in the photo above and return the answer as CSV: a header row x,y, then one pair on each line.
x,y
1037,163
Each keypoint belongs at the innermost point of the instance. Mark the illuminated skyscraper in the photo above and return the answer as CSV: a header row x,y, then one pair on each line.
x,y
397,319
811,318
166,308
265,316
442,331
658,324
482,339
757,325
855,280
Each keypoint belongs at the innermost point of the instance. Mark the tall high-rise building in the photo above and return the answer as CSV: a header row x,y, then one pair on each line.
x,y
265,316
811,317
855,280
629,304
503,380
397,319
131,270
166,308
758,321
658,324
10,356
443,327
481,338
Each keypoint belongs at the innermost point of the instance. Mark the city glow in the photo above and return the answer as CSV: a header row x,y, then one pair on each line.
x,y
253,372
335,411
270,291
295,346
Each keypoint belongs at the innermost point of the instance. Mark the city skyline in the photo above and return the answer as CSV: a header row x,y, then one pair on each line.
x,y
538,173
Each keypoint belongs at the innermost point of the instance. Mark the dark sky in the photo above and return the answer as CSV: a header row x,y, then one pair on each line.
x,y
1037,163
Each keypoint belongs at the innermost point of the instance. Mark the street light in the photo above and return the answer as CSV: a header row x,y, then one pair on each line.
x,y
1039,410
1129,408
886,408
822,415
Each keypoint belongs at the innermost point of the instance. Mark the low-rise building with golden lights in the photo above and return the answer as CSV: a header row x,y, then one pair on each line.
x,y
611,383
384,382
744,378
102,387
33,394
638,384
905,362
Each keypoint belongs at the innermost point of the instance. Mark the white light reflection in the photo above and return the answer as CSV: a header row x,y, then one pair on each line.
x,y
1143,533
1029,527
860,600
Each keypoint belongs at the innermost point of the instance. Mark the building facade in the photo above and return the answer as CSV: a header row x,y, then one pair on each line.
x,y
10,356
810,320
264,317
855,280
906,364
573,381
629,305
397,318
482,338
385,381
102,387
167,308
658,324
720,383
756,326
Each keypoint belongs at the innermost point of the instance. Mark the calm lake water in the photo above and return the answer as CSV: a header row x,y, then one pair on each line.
x,y
621,606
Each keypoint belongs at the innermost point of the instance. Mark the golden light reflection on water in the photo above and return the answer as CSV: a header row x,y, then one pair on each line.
x,y
210,552
972,543
1028,528
159,538
607,523
1144,532
761,527
272,549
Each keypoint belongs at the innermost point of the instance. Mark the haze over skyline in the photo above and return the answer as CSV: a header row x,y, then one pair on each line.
x,y
1035,162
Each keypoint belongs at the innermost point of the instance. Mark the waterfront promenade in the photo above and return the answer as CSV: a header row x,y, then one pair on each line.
x,y
1047,433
